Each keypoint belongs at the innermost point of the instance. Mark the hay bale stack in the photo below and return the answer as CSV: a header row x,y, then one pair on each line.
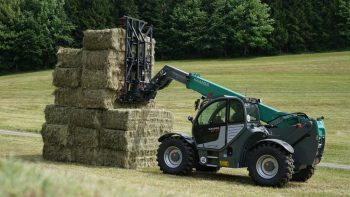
x,y
125,138
87,124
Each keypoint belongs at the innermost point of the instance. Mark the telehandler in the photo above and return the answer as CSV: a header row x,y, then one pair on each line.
x,y
229,130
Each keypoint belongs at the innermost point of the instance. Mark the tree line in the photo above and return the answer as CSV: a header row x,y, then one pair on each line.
x,y
31,30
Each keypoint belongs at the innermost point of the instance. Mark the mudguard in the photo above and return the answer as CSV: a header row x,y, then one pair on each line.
x,y
182,135
281,143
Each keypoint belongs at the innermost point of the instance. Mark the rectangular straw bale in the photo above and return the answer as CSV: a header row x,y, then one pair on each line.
x,y
100,79
104,39
143,144
144,162
69,58
133,160
101,60
87,155
55,134
151,104
126,159
88,118
84,137
55,114
66,77
121,119
58,153
67,96
122,141
108,157
100,99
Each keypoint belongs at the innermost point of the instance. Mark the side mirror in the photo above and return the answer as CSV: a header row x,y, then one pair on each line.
x,y
190,118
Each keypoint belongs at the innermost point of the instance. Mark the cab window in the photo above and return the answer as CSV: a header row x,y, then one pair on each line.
x,y
213,114
236,112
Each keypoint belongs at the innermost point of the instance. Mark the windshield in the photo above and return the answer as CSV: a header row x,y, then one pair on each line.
x,y
252,112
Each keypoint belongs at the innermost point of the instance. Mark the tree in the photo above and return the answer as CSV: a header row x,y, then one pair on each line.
x,y
186,29
32,32
343,23
279,37
8,16
215,34
90,14
248,25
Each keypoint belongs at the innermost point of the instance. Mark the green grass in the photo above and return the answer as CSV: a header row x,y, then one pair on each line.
x,y
24,170
317,84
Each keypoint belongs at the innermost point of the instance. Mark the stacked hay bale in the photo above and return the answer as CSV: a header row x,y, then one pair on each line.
x,y
87,124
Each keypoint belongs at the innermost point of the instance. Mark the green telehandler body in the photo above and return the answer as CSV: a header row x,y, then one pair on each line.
x,y
229,130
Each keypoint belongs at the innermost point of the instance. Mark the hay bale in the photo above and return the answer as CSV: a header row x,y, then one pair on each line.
x,y
100,99
125,141
100,79
109,157
150,104
101,60
138,119
121,119
104,39
55,134
67,97
55,114
83,137
58,153
139,159
88,118
87,155
85,98
144,162
66,77
124,159
69,58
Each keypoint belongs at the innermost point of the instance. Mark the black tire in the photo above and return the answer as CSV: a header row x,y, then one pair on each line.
x,y
274,156
201,168
183,167
304,174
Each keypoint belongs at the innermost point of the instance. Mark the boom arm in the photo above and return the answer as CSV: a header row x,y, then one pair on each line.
x,y
206,88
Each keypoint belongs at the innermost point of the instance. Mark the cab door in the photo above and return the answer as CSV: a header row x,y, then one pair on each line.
x,y
236,119
210,125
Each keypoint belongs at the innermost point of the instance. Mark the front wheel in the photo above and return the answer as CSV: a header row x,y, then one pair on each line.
x,y
270,165
175,156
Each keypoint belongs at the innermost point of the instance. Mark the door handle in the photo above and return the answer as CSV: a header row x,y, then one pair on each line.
x,y
214,130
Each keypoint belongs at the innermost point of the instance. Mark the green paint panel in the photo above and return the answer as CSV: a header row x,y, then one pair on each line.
x,y
208,88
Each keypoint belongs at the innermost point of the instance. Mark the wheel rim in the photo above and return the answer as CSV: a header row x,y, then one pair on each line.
x,y
173,157
267,166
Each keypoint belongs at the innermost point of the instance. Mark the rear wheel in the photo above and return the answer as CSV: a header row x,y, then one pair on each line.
x,y
175,156
270,165
304,174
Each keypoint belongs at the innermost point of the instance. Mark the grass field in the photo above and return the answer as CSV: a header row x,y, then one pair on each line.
x,y
317,84
72,179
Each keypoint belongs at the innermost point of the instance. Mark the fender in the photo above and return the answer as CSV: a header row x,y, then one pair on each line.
x,y
281,143
182,135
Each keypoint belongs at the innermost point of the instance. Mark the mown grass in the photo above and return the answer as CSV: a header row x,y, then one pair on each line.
x,y
317,84
22,170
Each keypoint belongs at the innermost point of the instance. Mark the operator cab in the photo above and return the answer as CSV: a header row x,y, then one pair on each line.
x,y
223,119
